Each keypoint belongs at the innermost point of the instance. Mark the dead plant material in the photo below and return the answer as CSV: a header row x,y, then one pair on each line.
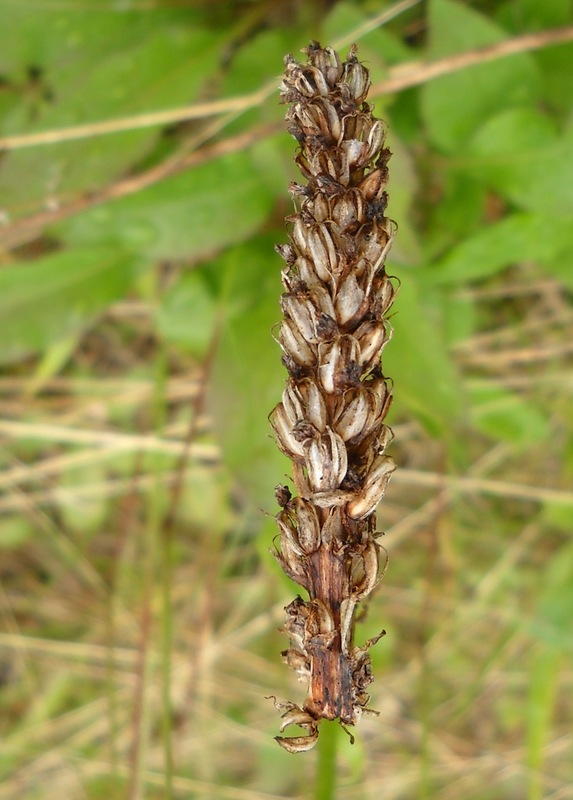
x,y
330,422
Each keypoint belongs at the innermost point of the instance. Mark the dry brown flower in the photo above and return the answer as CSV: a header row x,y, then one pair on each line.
x,y
330,422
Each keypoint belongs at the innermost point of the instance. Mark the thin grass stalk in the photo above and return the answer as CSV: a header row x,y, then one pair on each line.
x,y
330,422
167,662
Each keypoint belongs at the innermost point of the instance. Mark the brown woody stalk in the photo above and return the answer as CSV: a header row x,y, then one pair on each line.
x,y
330,422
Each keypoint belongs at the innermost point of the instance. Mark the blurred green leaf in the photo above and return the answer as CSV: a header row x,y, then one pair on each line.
x,y
189,215
518,154
259,58
14,532
534,15
248,276
540,709
165,66
517,238
457,105
52,361
559,515
248,376
378,48
417,360
187,312
551,622
66,39
402,188
460,316
554,62
459,212
512,132
48,299
505,416
84,514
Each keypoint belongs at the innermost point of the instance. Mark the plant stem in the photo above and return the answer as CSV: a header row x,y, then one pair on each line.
x,y
325,788
164,536
166,665
330,422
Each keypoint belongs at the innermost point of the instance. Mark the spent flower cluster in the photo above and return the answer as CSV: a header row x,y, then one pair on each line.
x,y
330,422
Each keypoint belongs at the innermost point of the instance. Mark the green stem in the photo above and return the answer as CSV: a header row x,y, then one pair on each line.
x,y
166,665
160,418
325,788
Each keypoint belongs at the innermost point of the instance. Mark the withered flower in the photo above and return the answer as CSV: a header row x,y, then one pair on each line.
x,y
330,422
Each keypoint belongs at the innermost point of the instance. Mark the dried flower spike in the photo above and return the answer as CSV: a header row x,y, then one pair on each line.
x,y
330,422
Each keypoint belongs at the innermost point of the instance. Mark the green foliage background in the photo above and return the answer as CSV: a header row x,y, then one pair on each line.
x,y
138,294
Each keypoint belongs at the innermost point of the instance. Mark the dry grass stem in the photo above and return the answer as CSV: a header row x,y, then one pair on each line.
x,y
406,76
28,228
417,74
402,77
171,116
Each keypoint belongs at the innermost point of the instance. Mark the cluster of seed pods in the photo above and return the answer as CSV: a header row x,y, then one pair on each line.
x,y
330,422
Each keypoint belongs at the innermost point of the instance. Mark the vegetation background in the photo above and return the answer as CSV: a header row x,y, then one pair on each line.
x,y
139,604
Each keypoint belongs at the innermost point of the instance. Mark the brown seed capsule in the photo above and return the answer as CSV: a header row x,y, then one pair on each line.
x,y
356,76
294,626
358,414
349,210
300,524
333,498
324,617
327,60
369,577
308,525
298,744
331,530
289,535
308,274
347,609
322,300
371,337
326,461
350,300
302,314
282,495
283,428
303,400
334,359
383,296
374,488
295,345
291,564
322,250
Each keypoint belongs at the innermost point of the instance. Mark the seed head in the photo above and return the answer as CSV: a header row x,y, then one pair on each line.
x,y
330,422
